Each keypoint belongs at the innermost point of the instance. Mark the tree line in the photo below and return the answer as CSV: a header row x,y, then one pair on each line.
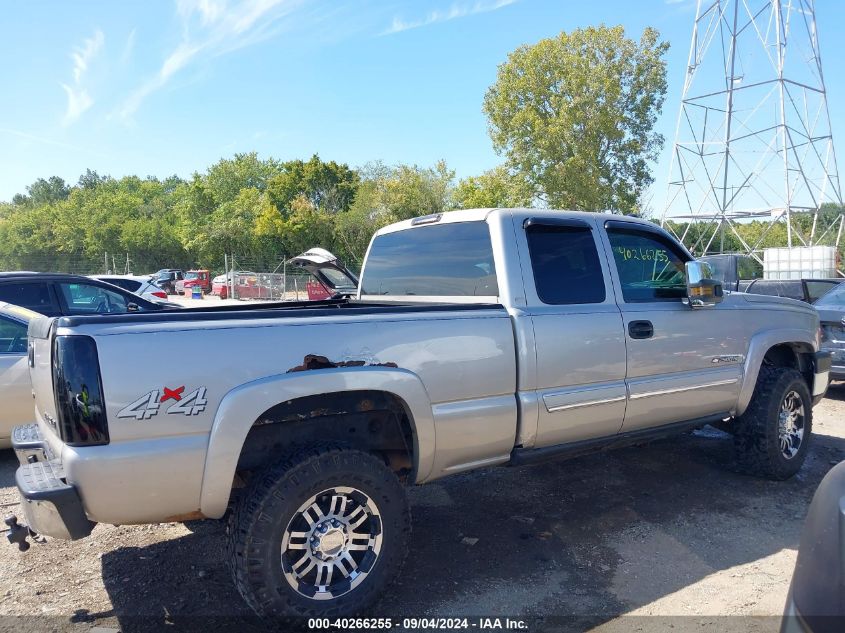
x,y
262,210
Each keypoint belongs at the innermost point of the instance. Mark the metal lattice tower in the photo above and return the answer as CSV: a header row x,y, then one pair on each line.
x,y
753,138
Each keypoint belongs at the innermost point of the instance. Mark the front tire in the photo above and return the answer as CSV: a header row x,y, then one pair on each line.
x,y
773,435
321,534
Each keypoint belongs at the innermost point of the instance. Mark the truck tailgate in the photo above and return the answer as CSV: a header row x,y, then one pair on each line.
x,y
41,370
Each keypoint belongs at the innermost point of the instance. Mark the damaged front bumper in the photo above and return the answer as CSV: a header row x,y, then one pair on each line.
x,y
52,506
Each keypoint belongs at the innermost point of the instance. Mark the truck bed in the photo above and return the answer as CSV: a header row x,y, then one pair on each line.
x,y
288,309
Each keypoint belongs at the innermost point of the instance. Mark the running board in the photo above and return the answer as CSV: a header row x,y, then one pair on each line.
x,y
522,456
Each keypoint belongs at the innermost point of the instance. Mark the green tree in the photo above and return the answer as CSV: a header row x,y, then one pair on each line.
x,y
91,179
227,177
389,194
498,187
575,116
328,186
44,191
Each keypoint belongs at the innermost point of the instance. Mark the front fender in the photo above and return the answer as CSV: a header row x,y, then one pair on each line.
x,y
242,406
757,348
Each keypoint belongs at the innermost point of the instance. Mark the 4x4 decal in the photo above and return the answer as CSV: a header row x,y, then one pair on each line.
x,y
150,403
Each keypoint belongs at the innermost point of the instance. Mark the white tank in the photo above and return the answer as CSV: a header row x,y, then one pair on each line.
x,y
799,262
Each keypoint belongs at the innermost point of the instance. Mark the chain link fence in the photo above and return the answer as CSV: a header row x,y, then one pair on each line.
x,y
265,278
248,279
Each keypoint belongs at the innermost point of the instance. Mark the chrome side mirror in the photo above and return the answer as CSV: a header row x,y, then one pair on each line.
x,y
702,290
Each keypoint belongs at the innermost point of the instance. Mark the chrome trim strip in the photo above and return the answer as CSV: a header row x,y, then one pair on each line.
x,y
578,405
664,392
479,463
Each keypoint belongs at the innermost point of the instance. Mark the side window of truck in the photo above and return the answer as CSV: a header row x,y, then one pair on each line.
x,y
651,267
566,264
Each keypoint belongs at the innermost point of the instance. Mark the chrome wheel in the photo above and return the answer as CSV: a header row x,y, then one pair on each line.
x,y
791,424
331,543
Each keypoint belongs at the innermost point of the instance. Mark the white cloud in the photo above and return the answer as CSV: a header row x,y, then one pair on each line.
x,y
211,28
78,99
128,48
455,11
82,55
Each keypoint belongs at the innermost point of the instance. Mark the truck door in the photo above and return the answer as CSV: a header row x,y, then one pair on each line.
x,y
683,364
579,384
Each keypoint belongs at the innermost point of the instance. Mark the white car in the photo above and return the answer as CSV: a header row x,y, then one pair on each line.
x,y
15,386
142,286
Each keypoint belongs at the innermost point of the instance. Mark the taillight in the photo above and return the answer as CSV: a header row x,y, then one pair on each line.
x,y
160,295
78,389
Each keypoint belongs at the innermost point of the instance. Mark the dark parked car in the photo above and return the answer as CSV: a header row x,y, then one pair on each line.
x,y
166,279
816,602
57,294
831,308
807,290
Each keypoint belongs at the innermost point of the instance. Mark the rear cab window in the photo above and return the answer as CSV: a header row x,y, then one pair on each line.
x,y
565,264
445,260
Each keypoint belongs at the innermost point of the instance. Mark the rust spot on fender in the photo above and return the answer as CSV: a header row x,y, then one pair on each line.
x,y
313,361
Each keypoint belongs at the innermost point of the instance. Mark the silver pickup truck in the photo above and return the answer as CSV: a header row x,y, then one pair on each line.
x,y
477,338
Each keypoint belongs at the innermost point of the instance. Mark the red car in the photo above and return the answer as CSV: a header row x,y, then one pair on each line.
x,y
194,278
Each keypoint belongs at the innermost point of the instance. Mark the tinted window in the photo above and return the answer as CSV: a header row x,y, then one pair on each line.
x,y
566,264
651,267
835,297
337,278
34,295
127,284
444,260
12,336
749,268
82,298
792,289
819,288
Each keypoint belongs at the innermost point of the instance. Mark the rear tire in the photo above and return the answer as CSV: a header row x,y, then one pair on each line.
x,y
320,534
773,435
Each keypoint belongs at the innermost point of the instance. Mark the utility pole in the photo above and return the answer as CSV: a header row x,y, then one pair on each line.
x,y
753,139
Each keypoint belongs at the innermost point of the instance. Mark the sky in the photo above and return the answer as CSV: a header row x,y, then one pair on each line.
x,y
170,87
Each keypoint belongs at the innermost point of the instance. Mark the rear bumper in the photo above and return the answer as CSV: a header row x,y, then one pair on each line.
x,y
52,507
822,362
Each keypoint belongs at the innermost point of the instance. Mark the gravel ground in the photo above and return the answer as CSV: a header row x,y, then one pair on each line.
x,y
668,529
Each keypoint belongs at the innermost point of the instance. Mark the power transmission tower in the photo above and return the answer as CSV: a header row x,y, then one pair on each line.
x,y
753,137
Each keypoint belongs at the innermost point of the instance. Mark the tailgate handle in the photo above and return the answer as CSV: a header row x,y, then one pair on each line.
x,y
640,329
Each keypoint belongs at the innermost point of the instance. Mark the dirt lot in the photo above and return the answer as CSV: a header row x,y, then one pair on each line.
x,y
668,529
